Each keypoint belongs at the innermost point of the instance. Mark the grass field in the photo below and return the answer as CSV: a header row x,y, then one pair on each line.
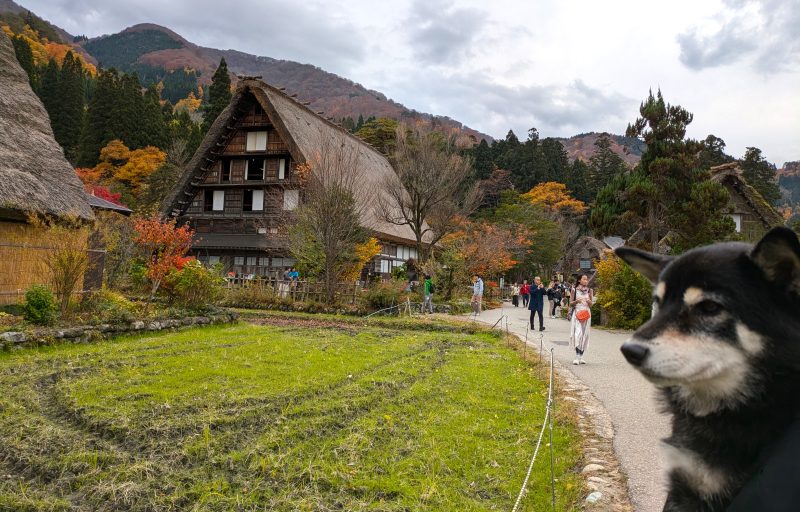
x,y
394,416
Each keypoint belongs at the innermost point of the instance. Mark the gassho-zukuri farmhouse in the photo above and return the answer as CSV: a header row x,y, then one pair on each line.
x,y
242,180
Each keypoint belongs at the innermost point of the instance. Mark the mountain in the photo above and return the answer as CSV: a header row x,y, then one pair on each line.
x,y
155,53
582,147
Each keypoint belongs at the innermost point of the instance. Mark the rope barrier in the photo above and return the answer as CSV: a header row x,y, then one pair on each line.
x,y
545,423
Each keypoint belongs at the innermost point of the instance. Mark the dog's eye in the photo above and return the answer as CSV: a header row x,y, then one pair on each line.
x,y
709,307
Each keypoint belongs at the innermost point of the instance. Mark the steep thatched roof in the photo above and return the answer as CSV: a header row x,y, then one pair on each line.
x,y
305,133
731,174
34,175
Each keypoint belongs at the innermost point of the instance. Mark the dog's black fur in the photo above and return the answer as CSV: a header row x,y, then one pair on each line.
x,y
759,288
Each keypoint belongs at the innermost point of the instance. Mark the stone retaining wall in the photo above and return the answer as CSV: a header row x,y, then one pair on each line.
x,y
87,333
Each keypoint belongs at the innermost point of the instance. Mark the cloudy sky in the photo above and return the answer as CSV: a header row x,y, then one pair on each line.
x,y
564,67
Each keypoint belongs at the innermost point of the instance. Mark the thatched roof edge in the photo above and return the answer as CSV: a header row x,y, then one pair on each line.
x,y
35,177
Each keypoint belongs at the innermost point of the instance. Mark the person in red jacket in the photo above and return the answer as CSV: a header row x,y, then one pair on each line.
x,y
525,291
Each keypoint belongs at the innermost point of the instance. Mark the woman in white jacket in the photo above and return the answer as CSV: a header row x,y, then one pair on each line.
x,y
581,321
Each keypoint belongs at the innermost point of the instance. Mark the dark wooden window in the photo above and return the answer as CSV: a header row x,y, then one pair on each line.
x,y
255,169
208,202
226,170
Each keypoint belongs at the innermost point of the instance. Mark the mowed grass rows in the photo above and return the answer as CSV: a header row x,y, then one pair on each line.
x,y
250,417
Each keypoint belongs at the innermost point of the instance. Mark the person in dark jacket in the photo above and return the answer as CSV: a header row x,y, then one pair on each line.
x,y
536,303
554,294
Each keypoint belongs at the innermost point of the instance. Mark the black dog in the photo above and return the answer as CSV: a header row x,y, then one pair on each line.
x,y
723,347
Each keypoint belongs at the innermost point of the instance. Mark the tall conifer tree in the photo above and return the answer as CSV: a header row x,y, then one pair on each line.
x,y
219,95
70,106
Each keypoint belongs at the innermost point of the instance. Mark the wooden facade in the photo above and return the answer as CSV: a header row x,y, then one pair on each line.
x,y
241,184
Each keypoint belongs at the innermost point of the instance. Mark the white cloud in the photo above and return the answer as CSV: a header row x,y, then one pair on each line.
x,y
563,67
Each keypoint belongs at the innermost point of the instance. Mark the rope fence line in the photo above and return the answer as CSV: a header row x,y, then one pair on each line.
x,y
547,422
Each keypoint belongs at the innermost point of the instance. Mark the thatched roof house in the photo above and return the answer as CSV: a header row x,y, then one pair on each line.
x,y
35,176
751,213
580,257
242,178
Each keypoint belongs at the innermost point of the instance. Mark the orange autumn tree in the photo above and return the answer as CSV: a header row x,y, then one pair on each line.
x,y
165,246
555,198
481,248
120,166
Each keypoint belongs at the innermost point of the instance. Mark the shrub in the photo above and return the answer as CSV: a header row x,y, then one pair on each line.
x,y
194,286
40,305
385,294
112,307
624,294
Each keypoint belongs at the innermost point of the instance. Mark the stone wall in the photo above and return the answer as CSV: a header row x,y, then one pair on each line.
x,y
86,333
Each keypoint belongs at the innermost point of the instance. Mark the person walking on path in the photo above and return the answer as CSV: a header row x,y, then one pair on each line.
x,y
554,294
477,294
525,291
515,294
536,303
581,321
427,304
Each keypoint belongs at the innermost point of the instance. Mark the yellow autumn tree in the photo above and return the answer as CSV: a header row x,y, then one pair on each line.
x,y
190,103
140,165
363,254
555,198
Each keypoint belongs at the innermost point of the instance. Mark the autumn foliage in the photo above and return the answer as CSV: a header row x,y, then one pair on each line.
x,y
555,198
487,249
166,246
43,50
121,166
363,253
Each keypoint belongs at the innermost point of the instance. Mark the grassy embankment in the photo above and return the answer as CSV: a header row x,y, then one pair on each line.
x,y
320,415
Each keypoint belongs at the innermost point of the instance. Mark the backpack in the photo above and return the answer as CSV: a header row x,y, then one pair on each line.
x,y
432,288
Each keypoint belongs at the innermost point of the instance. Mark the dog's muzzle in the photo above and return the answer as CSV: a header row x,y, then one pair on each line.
x,y
634,353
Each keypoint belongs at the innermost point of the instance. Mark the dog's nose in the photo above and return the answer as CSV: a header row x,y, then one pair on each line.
x,y
634,353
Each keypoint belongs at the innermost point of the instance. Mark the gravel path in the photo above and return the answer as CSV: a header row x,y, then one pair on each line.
x,y
626,395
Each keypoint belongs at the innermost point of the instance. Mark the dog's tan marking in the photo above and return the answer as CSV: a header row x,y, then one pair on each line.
x,y
706,480
693,295
709,374
751,341
661,290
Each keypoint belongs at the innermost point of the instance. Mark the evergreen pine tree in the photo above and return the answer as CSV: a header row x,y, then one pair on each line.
x,y
219,95
578,181
71,106
130,125
359,123
49,93
603,165
668,192
153,126
482,160
101,120
760,174
713,153
25,57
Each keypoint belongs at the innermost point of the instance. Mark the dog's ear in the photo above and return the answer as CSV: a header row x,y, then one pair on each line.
x,y
778,255
646,263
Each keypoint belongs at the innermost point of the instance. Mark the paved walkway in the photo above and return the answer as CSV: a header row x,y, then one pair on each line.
x,y
626,395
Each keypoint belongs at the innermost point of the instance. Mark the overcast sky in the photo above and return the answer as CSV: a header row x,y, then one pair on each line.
x,y
564,67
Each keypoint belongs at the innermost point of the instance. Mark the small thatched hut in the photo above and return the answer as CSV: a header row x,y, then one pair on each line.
x,y
35,178
751,213
580,257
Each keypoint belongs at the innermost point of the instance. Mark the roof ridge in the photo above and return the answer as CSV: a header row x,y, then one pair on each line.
x,y
282,92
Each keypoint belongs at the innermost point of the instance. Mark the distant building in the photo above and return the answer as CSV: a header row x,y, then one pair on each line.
x,y
35,178
751,213
242,180
580,257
